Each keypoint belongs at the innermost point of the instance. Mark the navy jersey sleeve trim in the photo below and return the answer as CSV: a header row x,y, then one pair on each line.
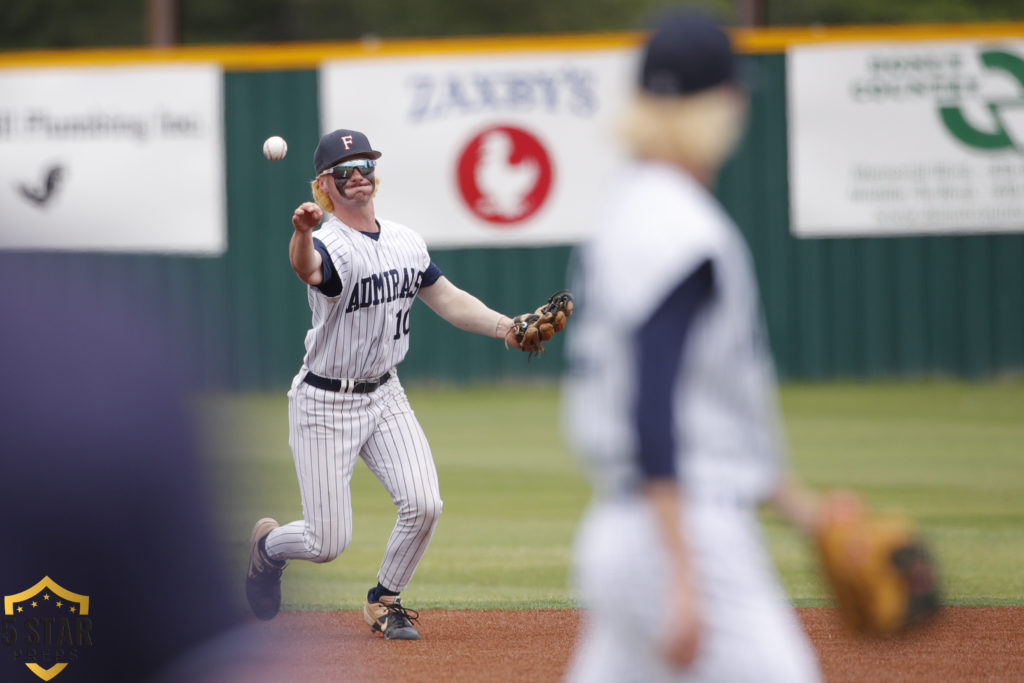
x,y
660,344
431,275
331,285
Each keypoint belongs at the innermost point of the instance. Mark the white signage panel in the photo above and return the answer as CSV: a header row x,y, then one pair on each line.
x,y
489,150
906,138
119,159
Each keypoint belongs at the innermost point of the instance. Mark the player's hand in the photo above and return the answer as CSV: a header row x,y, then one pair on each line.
x,y
682,630
839,507
307,216
510,339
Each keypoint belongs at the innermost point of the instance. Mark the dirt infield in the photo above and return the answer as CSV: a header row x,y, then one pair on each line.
x,y
966,644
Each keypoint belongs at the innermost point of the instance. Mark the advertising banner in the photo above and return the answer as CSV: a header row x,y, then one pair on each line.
x,y
116,159
906,138
487,150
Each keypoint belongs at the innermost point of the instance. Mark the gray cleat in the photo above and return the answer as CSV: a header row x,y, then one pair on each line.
x,y
390,618
263,581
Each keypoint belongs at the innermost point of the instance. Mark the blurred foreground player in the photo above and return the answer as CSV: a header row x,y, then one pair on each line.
x,y
675,415
102,490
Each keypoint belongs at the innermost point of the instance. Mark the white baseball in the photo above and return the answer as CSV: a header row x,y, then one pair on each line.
x,y
274,148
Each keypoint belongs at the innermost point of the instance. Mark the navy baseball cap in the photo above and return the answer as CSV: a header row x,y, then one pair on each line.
x,y
340,145
688,52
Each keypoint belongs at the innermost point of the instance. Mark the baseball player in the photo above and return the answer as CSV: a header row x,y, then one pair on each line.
x,y
346,402
674,412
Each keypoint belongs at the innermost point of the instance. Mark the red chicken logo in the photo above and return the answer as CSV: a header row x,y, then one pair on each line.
x,y
504,174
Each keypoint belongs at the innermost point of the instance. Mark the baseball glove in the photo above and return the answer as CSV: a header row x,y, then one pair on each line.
x,y
880,572
531,330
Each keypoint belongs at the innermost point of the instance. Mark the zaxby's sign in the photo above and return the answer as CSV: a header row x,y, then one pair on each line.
x,y
489,150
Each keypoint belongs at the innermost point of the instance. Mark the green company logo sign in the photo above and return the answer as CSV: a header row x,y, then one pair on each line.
x,y
995,136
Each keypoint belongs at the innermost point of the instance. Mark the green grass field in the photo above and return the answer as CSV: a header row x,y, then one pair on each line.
x,y
951,454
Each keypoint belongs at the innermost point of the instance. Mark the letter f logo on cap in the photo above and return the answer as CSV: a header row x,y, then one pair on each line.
x,y
347,141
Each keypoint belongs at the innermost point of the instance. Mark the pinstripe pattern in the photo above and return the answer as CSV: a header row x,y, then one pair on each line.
x,y
379,279
361,334
398,454
329,431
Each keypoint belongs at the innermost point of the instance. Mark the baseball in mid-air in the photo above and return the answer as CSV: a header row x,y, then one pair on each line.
x,y
274,148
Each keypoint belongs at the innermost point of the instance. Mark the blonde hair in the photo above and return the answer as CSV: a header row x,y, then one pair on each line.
x,y
323,199
698,132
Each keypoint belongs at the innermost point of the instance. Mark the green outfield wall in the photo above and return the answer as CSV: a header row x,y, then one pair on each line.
x,y
951,305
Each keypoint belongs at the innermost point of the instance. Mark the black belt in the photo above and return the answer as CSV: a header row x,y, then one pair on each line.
x,y
347,386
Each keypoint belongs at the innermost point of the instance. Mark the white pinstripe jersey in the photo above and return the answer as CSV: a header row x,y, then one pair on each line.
x,y
660,226
364,331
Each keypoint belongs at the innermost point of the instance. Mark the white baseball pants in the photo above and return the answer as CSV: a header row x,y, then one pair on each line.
x,y
328,431
750,632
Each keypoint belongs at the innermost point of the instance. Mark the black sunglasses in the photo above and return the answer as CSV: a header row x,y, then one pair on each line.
x,y
343,171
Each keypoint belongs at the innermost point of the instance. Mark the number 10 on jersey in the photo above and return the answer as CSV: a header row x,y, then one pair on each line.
x,y
402,323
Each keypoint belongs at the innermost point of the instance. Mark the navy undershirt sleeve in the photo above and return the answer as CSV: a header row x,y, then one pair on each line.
x,y
660,343
431,275
331,285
